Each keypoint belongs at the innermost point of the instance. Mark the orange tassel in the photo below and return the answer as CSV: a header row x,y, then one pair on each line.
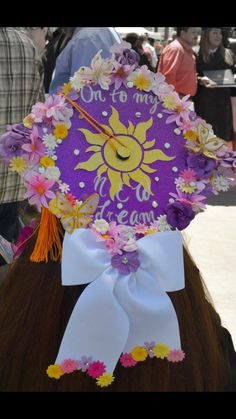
x,y
48,245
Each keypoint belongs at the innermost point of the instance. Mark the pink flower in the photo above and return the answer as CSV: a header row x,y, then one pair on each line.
x,y
181,112
39,111
140,228
120,74
188,175
69,365
127,361
38,190
96,369
35,148
176,355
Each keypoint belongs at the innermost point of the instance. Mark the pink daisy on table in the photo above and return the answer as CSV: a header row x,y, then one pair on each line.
x,y
38,190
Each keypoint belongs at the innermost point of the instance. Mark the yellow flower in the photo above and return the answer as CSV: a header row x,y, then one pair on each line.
x,y
169,102
139,353
141,82
47,161
60,132
161,350
151,231
54,371
105,380
188,188
66,88
28,121
190,135
140,149
18,164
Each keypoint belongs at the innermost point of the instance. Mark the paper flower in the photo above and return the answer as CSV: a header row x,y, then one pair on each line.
x,y
176,355
179,215
38,190
126,263
18,164
161,350
69,365
96,369
201,164
105,380
54,371
127,361
139,353
12,141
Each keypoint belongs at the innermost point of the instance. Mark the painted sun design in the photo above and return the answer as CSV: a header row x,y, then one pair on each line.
x,y
121,171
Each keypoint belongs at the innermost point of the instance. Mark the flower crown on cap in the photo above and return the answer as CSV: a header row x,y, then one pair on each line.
x,y
117,150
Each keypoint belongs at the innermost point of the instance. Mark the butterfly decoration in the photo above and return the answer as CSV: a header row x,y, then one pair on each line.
x,y
205,142
74,215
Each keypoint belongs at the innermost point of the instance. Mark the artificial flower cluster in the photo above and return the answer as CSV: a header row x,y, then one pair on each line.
x,y
121,241
30,148
97,369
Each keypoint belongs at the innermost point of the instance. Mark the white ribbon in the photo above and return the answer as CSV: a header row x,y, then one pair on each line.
x,y
117,312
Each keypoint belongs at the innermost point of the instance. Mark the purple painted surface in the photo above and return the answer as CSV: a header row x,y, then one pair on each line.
x,y
132,205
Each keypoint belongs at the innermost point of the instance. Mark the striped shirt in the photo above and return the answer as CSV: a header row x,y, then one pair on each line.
x,y
21,86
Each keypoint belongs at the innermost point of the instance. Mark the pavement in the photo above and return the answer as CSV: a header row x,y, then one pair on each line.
x,y
211,239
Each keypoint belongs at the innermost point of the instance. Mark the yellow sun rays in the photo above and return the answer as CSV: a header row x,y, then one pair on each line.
x,y
121,171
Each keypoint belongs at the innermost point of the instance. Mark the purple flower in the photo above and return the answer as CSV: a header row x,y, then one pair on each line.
x,y
179,215
128,56
202,165
12,140
229,159
126,263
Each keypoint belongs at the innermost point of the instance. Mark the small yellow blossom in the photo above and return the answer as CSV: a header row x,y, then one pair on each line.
x,y
188,188
18,164
66,88
47,161
161,350
150,231
169,102
61,131
139,353
141,82
105,380
190,135
28,121
54,371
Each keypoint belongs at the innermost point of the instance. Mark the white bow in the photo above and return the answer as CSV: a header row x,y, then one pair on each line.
x,y
117,312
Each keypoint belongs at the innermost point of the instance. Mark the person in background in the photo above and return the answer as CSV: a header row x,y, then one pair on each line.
x,y
59,39
148,47
21,85
178,62
39,36
80,50
211,103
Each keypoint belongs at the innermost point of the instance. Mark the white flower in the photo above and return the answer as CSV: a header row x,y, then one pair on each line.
x,y
64,187
50,141
99,73
130,246
162,224
101,226
52,172
221,184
